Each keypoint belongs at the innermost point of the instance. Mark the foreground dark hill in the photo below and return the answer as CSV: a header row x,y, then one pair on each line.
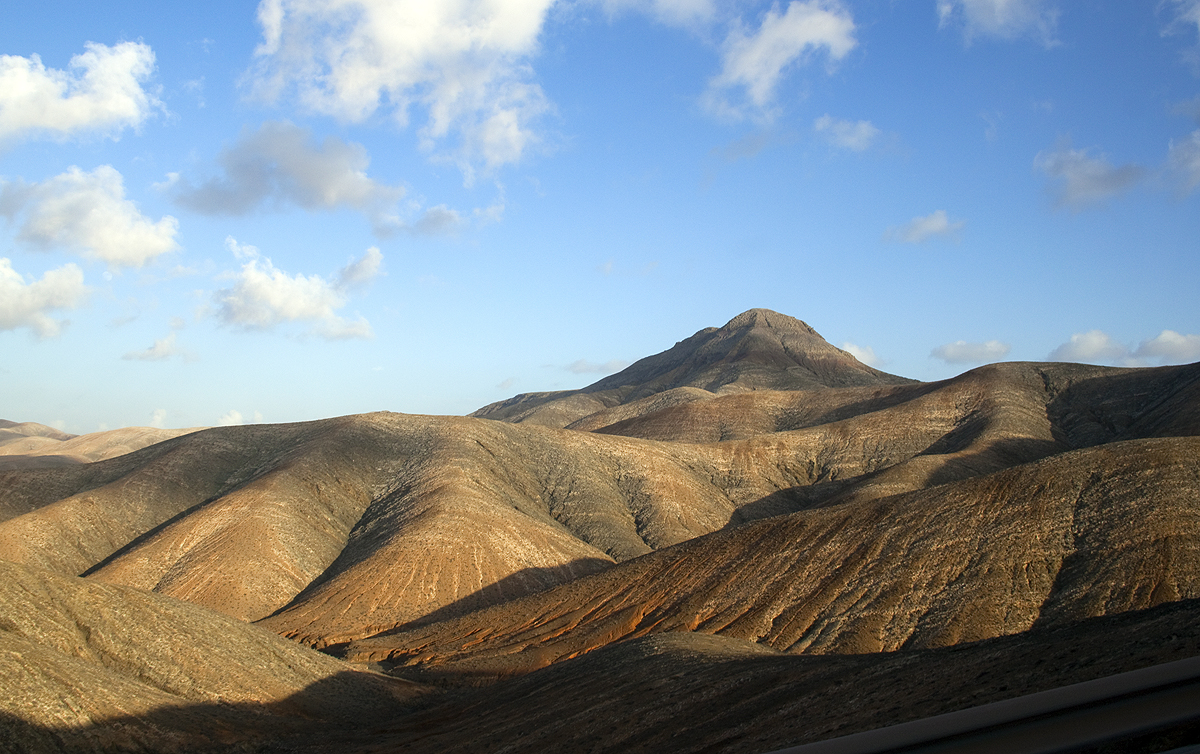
x,y
756,350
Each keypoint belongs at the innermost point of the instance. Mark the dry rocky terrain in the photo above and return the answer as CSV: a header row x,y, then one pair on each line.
x,y
752,510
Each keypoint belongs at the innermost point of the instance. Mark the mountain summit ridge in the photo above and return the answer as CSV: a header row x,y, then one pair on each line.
x,y
759,349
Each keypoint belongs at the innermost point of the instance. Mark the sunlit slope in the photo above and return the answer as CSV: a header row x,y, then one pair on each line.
x,y
1086,533
52,448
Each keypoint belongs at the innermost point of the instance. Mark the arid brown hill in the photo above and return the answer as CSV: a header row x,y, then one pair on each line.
x,y
344,528
76,655
756,350
31,445
753,485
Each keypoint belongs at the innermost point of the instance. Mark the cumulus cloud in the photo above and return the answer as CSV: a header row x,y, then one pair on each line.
x,y
280,163
583,366
1093,346
87,213
25,304
1003,19
1169,347
163,348
921,229
264,296
962,352
865,354
466,63
1183,162
754,62
856,136
158,419
1085,180
102,92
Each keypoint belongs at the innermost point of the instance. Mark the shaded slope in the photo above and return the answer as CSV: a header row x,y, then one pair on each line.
x,y
1067,538
757,350
76,654
696,693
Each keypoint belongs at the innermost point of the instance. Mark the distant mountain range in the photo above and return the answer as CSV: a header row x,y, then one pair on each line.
x,y
751,504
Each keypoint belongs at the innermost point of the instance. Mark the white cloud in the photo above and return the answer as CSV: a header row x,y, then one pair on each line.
x,y
158,419
962,352
921,229
583,366
1004,19
231,419
865,354
755,62
163,348
280,163
465,63
88,213
26,304
264,296
1183,161
101,92
1086,180
857,136
1169,347
1094,346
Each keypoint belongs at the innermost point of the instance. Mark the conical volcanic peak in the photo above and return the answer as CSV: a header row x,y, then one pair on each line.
x,y
759,349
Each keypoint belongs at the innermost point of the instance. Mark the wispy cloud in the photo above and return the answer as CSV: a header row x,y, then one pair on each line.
x,y
280,164
920,229
962,352
27,305
857,136
102,92
1001,19
466,64
89,214
752,63
264,296
162,349
583,366
681,13
1085,180
1183,162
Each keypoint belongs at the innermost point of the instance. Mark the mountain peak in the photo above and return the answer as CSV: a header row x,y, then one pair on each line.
x,y
770,319
759,349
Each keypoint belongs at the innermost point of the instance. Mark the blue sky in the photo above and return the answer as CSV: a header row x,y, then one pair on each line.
x,y
231,213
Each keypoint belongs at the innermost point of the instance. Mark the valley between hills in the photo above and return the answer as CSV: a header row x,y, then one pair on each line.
x,y
747,542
